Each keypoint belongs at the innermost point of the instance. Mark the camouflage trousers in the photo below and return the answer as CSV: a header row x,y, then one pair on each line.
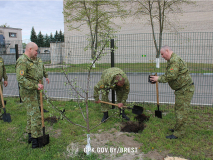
x,y
119,96
30,101
1,106
183,98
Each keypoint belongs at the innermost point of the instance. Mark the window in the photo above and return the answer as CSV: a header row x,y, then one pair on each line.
x,y
12,35
12,50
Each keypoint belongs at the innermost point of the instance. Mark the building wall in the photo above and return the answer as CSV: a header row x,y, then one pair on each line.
x,y
194,18
9,39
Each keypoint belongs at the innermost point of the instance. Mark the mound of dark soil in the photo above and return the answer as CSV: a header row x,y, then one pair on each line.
x,y
51,120
142,118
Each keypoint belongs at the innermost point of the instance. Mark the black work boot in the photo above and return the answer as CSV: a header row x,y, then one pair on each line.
x,y
29,138
124,116
35,143
44,110
105,116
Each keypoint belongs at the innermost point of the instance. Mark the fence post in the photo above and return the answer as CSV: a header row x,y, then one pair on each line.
x,y
17,55
16,47
112,65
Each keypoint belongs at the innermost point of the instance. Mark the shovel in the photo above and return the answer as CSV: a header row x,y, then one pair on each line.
x,y
135,110
158,113
6,116
43,140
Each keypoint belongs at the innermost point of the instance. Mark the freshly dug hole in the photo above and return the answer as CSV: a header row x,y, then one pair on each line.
x,y
132,127
135,126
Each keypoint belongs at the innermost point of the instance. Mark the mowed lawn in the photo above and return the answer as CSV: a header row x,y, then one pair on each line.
x,y
196,145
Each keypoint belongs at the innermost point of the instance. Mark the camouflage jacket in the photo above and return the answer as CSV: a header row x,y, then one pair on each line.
x,y
177,73
27,73
3,73
108,82
42,72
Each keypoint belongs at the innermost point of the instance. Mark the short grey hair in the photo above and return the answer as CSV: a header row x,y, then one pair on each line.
x,y
166,47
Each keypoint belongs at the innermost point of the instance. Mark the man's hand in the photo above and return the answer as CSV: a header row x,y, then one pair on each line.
x,y
98,101
47,80
5,83
120,105
154,78
40,87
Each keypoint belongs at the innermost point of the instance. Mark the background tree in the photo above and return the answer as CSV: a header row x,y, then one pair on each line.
x,y
40,40
51,38
96,15
24,45
46,41
61,36
157,10
4,25
56,36
33,36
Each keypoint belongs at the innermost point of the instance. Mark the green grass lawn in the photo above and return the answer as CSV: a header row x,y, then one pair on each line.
x,y
196,145
126,67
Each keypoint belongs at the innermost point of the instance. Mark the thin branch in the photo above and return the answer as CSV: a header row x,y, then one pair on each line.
x,y
55,108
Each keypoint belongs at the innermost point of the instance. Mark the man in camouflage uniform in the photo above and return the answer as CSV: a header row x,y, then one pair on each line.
x,y
27,74
42,73
3,74
115,79
179,79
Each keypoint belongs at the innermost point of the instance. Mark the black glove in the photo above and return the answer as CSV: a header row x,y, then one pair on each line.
x,y
150,80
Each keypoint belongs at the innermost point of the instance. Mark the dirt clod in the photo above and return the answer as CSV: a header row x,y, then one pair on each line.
x,y
141,118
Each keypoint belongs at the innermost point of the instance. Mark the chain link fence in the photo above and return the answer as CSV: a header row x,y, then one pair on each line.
x,y
133,53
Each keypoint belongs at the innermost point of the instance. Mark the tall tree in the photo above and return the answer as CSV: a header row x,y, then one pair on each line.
x,y
61,36
56,36
40,40
46,41
51,38
33,36
157,10
96,15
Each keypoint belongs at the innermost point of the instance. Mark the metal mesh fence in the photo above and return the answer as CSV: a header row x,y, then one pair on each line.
x,y
135,54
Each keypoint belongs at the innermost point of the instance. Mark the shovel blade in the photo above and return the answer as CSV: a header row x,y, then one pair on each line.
x,y
137,110
6,117
43,140
158,114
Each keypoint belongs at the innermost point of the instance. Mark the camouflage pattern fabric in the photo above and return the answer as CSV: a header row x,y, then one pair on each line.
x,y
178,77
177,74
1,106
108,82
183,98
3,74
42,73
28,78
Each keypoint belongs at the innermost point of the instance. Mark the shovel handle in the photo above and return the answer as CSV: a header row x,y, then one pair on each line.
x,y
112,104
157,91
2,100
41,105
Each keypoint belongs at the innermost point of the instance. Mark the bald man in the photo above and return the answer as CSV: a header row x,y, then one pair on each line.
x,y
27,74
178,77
